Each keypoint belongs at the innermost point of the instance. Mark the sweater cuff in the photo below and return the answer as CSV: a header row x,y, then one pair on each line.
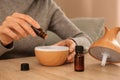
x,y
4,49
82,41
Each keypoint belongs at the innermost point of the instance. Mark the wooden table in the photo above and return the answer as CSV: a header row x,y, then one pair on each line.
x,y
10,70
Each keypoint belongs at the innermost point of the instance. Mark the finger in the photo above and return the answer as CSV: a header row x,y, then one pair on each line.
x,y
19,30
72,48
10,33
70,43
70,58
16,28
24,25
5,40
27,18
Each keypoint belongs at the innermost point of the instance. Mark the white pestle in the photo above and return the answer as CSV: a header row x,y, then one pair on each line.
x,y
104,58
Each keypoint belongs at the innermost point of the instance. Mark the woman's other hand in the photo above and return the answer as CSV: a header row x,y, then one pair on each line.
x,y
71,44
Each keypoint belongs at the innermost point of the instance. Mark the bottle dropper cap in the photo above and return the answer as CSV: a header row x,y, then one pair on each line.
x,y
79,48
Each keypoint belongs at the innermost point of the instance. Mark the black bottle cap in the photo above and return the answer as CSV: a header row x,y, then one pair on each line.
x,y
79,48
25,67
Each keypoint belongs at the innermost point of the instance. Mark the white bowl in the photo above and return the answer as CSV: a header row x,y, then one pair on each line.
x,y
51,55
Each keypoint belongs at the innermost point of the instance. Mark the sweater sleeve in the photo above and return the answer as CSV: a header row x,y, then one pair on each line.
x,y
5,49
64,28
82,41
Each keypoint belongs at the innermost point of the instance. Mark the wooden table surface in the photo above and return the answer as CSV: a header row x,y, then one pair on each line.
x,y
10,70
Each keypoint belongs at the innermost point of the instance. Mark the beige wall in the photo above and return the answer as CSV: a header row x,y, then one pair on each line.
x,y
75,8
118,12
106,9
109,9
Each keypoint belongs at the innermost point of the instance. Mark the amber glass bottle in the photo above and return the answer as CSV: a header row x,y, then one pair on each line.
x,y
40,32
79,59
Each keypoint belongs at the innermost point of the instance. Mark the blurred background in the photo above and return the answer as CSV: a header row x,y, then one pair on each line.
x,y
107,9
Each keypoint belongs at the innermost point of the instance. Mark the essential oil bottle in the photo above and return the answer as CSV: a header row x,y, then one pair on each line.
x,y
79,59
40,32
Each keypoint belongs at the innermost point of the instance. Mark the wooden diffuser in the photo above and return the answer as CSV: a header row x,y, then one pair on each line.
x,y
107,48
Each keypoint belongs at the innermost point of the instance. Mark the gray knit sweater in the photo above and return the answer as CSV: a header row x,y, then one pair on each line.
x,y
49,16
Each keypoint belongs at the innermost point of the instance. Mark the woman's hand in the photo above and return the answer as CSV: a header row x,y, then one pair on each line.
x,y
15,27
71,44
